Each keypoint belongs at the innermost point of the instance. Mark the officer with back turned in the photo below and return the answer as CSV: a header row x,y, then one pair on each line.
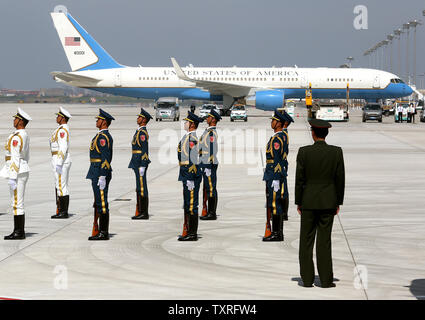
x,y
100,173
319,192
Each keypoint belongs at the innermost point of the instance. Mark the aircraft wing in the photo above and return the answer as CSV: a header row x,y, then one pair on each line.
x,y
74,79
216,87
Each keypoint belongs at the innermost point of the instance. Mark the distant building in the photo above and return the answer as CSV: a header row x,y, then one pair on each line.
x,y
14,93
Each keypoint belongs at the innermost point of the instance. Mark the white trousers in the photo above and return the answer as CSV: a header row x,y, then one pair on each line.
x,y
17,195
61,180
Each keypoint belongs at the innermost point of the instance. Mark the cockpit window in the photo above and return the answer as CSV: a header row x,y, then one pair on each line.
x,y
397,81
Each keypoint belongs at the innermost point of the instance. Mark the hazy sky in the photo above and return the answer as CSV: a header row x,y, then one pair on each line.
x,y
308,33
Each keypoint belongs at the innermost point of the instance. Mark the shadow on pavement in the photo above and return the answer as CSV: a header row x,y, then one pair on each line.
x,y
417,288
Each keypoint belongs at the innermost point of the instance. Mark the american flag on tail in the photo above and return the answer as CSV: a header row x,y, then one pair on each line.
x,y
72,41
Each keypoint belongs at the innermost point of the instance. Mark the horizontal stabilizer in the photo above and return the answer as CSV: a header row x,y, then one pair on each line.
x,y
74,79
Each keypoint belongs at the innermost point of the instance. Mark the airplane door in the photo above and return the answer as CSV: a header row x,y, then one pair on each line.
x,y
117,78
377,82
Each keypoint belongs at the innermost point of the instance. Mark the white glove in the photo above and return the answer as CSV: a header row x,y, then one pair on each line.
x,y
12,184
102,182
59,169
207,172
190,184
142,171
276,185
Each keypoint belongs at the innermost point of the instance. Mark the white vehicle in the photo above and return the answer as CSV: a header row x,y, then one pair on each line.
x,y
265,88
167,108
330,113
238,112
206,108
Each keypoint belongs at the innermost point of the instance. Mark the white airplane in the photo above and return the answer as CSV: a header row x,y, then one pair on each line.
x,y
266,88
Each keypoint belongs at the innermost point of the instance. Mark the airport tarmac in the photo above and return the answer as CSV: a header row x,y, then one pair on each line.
x,y
380,229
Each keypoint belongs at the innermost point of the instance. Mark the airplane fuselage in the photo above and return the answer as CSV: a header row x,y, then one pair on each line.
x,y
155,82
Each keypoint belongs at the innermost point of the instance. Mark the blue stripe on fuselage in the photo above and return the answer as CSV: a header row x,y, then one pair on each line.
x,y
155,93
391,91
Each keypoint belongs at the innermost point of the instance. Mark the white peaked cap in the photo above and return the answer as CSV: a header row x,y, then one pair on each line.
x,y
64,112
23,114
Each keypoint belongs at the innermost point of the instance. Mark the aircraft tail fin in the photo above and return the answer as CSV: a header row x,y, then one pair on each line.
x,y
82,51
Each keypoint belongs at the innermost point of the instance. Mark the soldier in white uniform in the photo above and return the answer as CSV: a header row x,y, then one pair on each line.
x,y
61,163
16,170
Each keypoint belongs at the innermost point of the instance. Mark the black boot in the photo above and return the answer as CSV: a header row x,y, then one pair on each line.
x,y
143,209
63,208
18,230
275,236
285,206
212,206
103,227
281,237
57,204
193,229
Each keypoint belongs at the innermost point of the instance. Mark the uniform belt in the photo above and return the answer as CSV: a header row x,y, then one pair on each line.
x,y
136,151
54,153
183,163
270,161
7,158
95,160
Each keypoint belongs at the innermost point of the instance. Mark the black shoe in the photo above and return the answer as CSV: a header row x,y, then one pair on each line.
x,y
18,230
188,237
140,217
100,236
273,237
15,236
331,285
61,215
209,216
308,285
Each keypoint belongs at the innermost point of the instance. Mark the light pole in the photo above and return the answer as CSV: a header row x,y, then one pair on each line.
x,y
384,56
350,60
414,24
390,39
398,33
407,26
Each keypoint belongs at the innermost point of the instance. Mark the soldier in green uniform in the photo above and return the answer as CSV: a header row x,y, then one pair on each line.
x,y
190,175
275,176
319,192
139,163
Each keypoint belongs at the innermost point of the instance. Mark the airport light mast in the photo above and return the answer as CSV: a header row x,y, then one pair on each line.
x,y
390,40
350,60
407,26
414,25
398,33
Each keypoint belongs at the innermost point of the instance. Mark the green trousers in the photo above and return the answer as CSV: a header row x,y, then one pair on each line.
x,y
320,222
